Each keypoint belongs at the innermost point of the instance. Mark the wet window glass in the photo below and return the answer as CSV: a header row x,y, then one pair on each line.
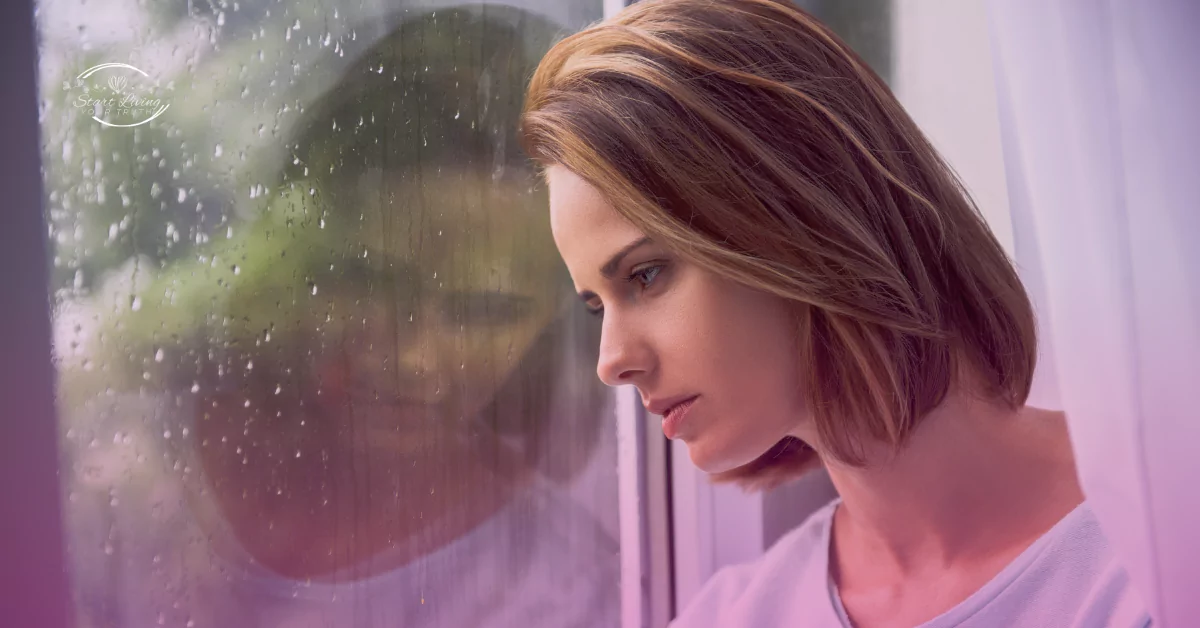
x,y
319,362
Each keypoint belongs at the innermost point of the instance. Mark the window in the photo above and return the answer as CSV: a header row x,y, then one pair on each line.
x,y
319,363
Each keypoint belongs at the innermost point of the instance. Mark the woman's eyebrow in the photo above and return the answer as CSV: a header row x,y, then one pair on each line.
x,y
609,269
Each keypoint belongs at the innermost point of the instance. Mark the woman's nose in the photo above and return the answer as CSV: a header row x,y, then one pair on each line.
x,y
400,353
624,355
419,355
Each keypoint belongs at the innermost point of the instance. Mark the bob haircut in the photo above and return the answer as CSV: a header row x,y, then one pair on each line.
x,y
745,136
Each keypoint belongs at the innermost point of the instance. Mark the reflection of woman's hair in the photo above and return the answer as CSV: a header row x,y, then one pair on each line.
x,y
556,411
445,89
441,89
745,135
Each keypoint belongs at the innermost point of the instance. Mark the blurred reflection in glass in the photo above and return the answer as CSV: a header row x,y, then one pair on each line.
x,y
370,396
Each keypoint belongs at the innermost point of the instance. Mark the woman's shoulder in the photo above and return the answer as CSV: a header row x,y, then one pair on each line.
x,y
1087,582
1069,577
791,574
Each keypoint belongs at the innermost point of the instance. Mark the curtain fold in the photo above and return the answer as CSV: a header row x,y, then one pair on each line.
x,y
1099,104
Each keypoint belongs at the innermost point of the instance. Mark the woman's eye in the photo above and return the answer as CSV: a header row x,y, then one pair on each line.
x,y
488,308
646,275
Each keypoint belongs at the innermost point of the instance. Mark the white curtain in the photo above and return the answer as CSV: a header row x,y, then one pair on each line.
x,y
1099,104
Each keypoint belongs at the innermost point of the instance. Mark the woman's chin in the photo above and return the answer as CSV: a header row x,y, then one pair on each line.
x,y
710,459
713,456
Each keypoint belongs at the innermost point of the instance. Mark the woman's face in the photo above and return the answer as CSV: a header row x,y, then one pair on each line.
x,y
380,332
675,330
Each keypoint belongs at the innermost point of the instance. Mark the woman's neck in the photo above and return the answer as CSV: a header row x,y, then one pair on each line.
x,y
975,482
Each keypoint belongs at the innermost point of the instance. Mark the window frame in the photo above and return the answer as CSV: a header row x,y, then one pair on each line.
x,y
33,568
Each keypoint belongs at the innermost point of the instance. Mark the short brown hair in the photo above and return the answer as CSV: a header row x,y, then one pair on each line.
x,y
747,137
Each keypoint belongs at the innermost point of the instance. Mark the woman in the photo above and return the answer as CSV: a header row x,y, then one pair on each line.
x,y
790,274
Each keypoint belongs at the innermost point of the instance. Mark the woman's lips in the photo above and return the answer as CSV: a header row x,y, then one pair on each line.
x,y
674,419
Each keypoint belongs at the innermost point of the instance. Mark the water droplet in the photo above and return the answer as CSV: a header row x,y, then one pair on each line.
x,y
250,365
278,389
218,150
182,196
314,289
158,355
135,303
195,387
167,434
236,270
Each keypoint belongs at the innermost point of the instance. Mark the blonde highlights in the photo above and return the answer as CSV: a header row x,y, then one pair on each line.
x,y
747,137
